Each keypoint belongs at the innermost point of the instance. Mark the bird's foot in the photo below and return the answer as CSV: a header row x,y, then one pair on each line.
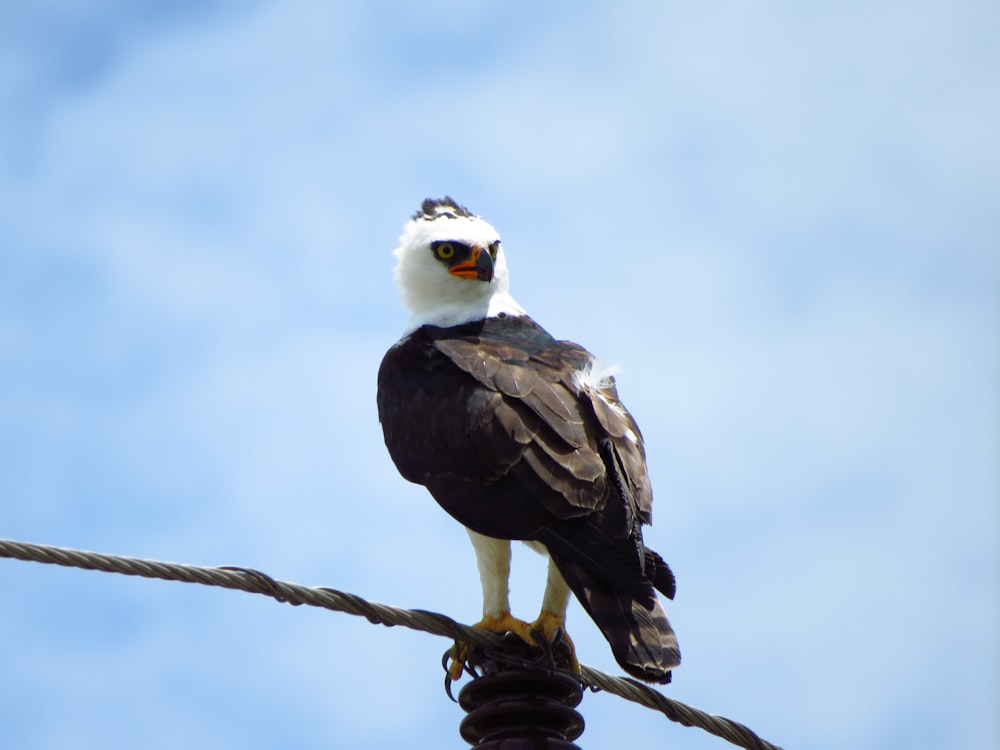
x,y
505,622
549,632
457,658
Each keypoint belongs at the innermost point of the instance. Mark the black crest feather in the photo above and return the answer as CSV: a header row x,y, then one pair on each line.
x,y
442,207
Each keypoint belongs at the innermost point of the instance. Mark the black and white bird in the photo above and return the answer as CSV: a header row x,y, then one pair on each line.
x,y
521,437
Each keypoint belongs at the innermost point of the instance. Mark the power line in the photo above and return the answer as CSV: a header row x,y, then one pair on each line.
x,y
256,582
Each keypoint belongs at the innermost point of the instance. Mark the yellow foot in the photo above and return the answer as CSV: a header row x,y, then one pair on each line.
x,y
505,622
502,623
455,660
552,627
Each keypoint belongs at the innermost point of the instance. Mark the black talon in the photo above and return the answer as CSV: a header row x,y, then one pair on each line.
x,y
445,658
557,637
548,656
447,687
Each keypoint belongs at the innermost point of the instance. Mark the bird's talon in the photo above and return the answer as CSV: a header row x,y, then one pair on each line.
x,y
454,661
553,634
547,633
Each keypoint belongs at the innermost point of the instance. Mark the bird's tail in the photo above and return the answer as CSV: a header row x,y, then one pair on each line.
x,y
641,638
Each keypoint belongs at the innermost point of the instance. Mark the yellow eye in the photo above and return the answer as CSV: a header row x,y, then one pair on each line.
x,y
494,248
445,250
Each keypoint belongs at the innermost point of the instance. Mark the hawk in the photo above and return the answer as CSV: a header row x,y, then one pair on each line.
x,y
520,436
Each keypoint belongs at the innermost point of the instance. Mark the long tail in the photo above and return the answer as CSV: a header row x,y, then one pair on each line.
x,y
641,638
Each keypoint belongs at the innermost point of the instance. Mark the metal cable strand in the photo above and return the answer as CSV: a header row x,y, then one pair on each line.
x,y
635,691
255,582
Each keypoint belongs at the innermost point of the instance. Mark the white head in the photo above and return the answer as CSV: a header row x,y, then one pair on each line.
x,y
451,268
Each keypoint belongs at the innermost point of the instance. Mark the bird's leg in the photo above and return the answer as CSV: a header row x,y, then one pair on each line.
x,y
493,561
551,622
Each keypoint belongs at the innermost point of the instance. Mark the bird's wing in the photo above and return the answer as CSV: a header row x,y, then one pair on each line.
x,y
500,413
583,460
537,406
515,441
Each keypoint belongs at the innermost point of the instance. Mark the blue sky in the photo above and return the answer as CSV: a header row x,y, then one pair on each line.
x,y
781,221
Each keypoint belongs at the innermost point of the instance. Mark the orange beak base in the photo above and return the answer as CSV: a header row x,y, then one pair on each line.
x,y
479,267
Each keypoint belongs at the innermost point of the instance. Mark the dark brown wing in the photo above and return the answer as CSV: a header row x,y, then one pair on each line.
x,y
498,420
539,401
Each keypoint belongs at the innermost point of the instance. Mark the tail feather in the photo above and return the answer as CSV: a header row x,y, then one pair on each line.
x,y
641,638
660,574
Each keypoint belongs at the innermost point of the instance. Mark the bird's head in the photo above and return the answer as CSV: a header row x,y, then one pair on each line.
x,y
450,266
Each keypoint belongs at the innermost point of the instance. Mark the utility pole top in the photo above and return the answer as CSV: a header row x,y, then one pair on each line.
x,y
522,699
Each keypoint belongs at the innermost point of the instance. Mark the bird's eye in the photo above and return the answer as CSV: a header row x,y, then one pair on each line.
x,y
494,249
445,251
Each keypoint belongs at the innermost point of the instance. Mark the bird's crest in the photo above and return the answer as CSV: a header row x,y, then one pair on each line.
x,y
445,207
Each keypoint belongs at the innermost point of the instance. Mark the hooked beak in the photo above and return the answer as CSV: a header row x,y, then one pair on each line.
x,y
479,266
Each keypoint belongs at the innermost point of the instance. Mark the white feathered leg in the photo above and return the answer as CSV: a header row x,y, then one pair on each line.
x,y
556,597
552,619
493,560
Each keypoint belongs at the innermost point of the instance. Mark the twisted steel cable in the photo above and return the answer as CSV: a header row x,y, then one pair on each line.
x,y
256,582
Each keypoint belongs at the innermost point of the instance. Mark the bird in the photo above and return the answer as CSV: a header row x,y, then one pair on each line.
x,y
521,437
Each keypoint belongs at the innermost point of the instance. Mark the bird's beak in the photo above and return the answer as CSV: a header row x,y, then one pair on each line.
x,y
479,266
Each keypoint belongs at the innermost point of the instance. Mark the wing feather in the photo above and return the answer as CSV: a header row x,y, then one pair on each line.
x,y
582,464
561,409
520,426
570,496
610,415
